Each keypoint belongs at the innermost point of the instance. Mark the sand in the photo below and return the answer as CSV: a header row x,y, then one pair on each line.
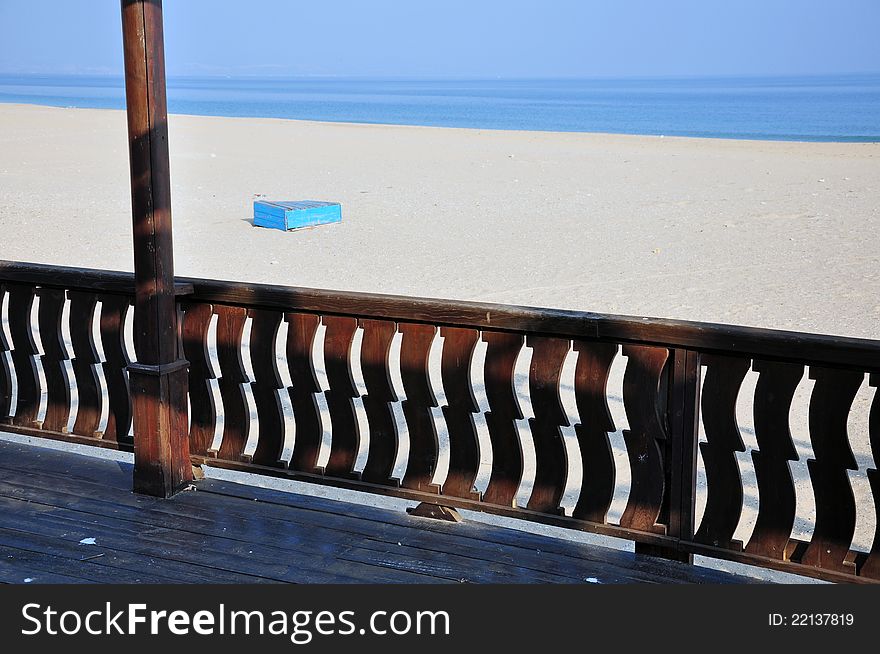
x,y
760,233
769,234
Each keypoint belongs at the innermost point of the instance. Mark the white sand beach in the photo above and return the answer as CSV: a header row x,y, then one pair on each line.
x,y
770,234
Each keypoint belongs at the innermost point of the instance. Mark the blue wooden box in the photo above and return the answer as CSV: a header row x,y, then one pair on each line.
x,y
293,215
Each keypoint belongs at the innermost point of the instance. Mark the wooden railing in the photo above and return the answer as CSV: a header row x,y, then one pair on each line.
x,y
461,427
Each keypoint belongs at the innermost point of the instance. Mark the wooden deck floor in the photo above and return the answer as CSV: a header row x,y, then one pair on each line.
x,y
53,503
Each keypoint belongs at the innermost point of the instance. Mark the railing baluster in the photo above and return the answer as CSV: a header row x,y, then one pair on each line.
x,y
345,440
301,331
642,382
267,381
236,415
830,405
871,565
203,413
54,357
5,372
375,348
680,453
502,351
114,309
27,406
424,446
776,494
464,446
85,357
590,385
551,461
724,499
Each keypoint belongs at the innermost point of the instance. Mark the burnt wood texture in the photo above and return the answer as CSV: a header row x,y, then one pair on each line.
x,y
436,433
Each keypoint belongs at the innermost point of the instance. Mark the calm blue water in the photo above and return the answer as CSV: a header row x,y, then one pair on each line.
x,y
840,108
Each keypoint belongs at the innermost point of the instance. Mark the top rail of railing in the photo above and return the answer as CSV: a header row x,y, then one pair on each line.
x,y
838,351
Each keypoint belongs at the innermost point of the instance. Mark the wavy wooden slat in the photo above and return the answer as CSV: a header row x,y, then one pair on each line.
x,y
502,351
236,414
85,359
597,457
375,349
114,309
203,413
267,382
424,445
5,371
777,383
871,566
301,331
345,435
24,351
551,460
724,499
644,401
464,445
55,356
830,404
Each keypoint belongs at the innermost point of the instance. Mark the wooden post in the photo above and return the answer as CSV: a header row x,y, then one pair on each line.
x,y
158,378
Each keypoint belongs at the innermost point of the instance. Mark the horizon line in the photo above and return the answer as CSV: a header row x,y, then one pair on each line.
x,y
480,78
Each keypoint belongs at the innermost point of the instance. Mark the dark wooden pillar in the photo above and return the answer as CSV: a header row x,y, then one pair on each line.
x,y
158,378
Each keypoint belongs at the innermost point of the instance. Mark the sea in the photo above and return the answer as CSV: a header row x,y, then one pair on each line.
x,y
805,108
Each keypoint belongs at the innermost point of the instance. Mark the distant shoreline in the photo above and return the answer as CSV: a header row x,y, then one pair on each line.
x,y
873,140
818,109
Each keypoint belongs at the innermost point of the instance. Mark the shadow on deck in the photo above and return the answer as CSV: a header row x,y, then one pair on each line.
x,y
52,503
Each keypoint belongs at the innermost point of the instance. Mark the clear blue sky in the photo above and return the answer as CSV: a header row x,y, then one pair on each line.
x,y
456,38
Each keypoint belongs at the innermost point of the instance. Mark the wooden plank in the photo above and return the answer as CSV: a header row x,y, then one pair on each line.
x,y
565,552
114,309
368,541
301,331
383,444
502,351
279,513
24,351
300,560
774,392
81,279
424,444
54,359
597,457
551,460
5,371
642,382
28,552
830,405
724,491
267,382
451,500
241,519
464,445
203,414
25,568
680,457
236,414
338,339
85,360
871,565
